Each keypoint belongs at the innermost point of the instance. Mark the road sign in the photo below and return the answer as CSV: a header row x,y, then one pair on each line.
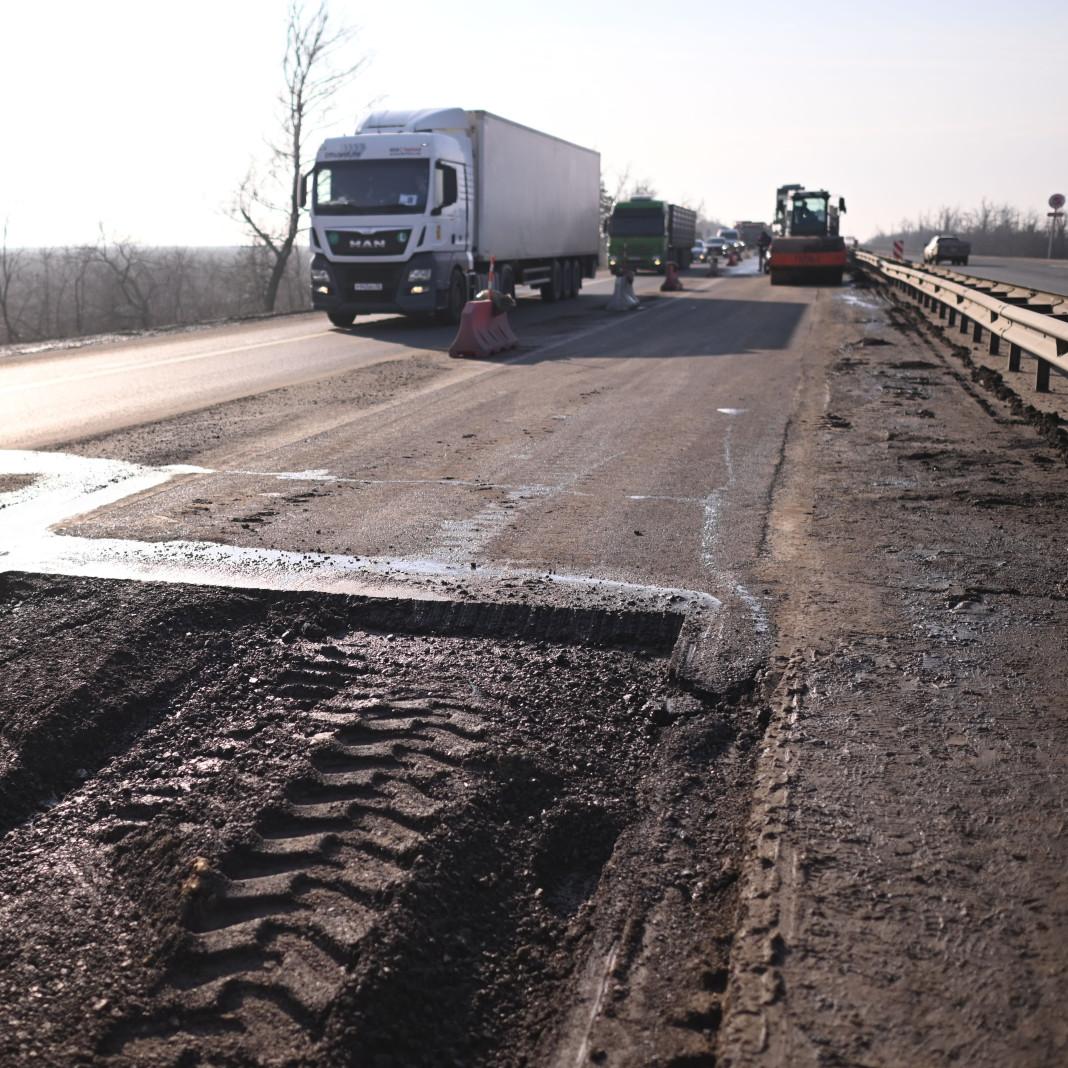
x,y
1056,202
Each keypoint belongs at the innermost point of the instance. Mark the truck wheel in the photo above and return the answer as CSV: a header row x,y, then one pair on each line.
x,y
507,286
341,319
450,314
576,277
550,292
964,262
567,280
777,277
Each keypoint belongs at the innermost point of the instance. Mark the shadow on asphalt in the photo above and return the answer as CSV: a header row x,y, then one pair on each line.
x,y
690,327
693,326
531,316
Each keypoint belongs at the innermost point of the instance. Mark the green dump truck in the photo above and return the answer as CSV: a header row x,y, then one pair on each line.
x,y
646,234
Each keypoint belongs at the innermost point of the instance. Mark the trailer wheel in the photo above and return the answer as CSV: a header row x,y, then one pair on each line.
x,y
551,291
576,277
567,280
778,278
450,314
341,319
964,262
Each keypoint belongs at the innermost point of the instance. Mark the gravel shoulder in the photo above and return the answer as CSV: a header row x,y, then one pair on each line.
x,y
904,897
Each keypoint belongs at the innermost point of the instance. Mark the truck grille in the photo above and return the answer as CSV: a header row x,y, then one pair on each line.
x,y
348,275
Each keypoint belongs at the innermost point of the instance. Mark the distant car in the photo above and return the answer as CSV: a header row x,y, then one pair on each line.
x,y
715,247
728,233
698,253
947,247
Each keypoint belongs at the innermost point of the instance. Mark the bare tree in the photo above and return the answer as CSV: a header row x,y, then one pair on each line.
x,y
131,272
10,270
643,187
316,66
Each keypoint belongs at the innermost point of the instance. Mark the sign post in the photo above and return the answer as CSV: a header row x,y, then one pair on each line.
x,y
1056,202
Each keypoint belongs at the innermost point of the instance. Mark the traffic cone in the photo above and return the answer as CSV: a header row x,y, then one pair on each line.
x,y
672,281
732,258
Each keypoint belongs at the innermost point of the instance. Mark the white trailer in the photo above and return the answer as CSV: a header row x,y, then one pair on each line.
x,y
407,213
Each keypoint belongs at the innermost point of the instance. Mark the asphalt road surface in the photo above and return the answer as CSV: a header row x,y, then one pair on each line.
x,y
684,684
1047,276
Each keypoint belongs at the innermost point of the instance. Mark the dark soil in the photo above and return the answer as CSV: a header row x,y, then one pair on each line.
x,y
246,828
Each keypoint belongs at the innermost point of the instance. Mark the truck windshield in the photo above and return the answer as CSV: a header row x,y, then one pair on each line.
x,y
637,224
372,187
809,216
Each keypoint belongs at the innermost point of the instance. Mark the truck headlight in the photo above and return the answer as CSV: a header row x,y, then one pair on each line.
x,y
420,274
319,276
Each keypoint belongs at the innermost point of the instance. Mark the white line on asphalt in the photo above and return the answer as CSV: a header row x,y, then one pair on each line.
x,y
122,368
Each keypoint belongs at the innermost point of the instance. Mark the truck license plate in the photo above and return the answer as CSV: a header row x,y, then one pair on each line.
x,y
367,287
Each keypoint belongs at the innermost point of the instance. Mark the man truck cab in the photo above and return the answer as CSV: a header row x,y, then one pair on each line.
x,y
408,213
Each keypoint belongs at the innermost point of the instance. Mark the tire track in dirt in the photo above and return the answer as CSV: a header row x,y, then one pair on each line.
x,y
274,925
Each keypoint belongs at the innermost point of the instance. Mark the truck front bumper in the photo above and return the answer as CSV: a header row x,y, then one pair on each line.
x,y
370,288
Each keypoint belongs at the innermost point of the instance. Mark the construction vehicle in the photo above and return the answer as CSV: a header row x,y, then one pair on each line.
x,y
806,246
648,234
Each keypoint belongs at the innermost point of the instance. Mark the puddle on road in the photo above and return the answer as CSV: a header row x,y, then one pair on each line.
x,y
848,296
63,487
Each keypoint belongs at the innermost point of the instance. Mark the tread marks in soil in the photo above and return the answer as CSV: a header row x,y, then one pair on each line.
x,y
274,927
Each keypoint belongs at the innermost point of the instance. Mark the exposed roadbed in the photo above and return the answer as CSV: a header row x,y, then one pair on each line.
x,y
529,822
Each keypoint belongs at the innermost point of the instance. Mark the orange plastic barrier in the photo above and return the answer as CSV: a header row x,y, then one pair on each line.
x,y
481,332
672,281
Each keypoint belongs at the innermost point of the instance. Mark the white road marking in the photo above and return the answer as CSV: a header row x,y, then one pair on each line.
x,y
141,365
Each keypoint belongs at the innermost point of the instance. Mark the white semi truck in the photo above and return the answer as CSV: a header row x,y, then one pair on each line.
x,y
406,213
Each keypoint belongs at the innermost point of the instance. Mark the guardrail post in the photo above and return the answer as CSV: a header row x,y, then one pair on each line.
x,y
1042,377
952,317
995,344
977,333
941,310
963,323
1014,357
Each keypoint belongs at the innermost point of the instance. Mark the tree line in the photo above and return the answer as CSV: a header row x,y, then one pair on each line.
x,y
993,230
116,286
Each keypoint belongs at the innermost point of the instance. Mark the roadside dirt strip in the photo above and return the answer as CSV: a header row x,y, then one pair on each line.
x,y
905,900
684,692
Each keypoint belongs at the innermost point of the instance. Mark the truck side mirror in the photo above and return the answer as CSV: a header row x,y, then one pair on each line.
x,y
304,189
452,187
841,205
446,187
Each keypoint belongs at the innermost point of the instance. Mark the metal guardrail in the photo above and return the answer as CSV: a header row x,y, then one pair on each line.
x,y
1027,321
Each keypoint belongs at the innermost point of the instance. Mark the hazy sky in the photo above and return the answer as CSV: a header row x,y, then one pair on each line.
x,y
143,115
